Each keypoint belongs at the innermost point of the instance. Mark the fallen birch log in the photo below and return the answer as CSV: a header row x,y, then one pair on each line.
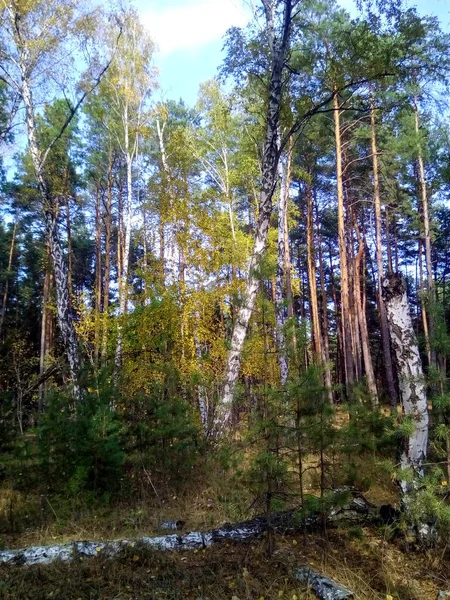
x,y
322,586
357,510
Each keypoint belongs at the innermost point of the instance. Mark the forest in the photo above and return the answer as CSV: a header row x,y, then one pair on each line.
x,y
229,320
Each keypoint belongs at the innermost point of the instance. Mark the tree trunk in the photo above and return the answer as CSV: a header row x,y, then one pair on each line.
x,y
107,273
8,273
345,290
325,325
410,374
427,239
98,275
278,46
361,313
425,208
426,332
123,275
64,309
280,311
46,328
69,248
287,256
385,343
311,259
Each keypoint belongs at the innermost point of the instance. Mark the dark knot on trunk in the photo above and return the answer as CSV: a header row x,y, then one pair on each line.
x,y
394,284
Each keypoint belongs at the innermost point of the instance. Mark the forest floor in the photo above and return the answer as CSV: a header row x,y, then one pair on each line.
x,y
370,560
366,563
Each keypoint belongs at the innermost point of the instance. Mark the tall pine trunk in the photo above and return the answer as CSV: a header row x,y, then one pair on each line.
x,y
347,342
325,325
427,240
98,275
107,272
385,343
47,327
361,313
8,274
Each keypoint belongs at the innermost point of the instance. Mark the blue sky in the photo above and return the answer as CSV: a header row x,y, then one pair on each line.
x,y
189,35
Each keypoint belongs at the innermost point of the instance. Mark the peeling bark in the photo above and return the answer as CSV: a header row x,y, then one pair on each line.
x,y
410,373
322,586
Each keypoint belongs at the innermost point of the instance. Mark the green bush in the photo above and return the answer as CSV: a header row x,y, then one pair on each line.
x,y
82,450
162,429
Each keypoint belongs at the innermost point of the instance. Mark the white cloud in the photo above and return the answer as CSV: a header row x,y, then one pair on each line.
x,y
193,24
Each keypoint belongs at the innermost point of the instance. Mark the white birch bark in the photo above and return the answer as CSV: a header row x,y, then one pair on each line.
x,y
168,182
203,404
123,287
130,89
278,47
410,374
50,207
280,310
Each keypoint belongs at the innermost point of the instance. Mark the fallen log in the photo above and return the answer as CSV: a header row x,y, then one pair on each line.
x,y
322,586
357,510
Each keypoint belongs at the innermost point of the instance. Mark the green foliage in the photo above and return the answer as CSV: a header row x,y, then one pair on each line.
x,y
80,451
162,430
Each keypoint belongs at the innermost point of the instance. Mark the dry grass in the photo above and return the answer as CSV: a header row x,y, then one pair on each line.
x,y
362,559
31,519
370,566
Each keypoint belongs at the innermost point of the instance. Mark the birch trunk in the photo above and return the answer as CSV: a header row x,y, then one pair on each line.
x,y
280,311
385,343
278,47
64,309
123,293
167,179
411,379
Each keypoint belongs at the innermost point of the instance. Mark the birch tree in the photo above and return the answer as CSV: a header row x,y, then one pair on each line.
x,y
128,84
278,18
33,36
411,379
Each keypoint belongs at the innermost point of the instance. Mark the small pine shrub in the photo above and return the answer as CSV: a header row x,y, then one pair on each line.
x,y
82,451
162,431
